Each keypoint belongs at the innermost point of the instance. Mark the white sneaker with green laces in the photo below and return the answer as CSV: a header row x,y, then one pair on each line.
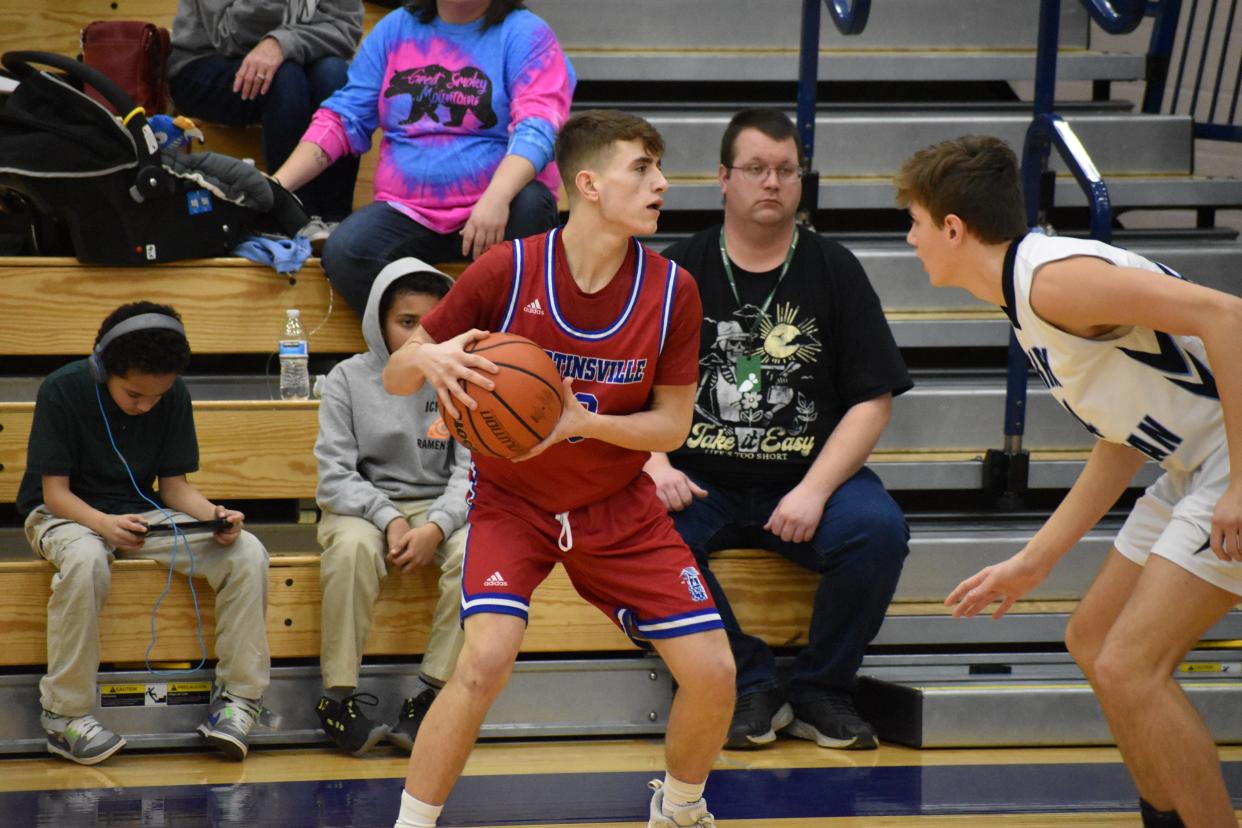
x,y
694,815
80,739
229,721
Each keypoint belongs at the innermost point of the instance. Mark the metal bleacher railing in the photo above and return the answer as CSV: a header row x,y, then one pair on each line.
x,y
1212,48
850,19
1006,470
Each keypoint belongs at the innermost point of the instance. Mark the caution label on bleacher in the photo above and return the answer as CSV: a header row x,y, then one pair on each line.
x,y
122,695
189,692
154,695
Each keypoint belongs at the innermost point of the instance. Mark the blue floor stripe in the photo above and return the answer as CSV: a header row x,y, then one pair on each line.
x,y
601,797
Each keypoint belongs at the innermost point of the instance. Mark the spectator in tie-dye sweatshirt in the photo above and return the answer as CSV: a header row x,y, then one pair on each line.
x,y
468,96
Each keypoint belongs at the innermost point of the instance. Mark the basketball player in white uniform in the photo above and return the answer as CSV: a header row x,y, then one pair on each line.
x,y
1152,365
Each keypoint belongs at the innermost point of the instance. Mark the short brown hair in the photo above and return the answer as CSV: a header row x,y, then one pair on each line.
x,y
587,136
974,177
770,122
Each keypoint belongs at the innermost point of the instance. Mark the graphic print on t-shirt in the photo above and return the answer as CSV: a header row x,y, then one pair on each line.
x,y
433,86
749,385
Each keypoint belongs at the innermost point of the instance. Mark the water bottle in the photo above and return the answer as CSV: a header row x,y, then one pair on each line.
x,y
294,380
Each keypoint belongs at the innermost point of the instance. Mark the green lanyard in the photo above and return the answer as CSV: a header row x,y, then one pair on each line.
x,y
728,269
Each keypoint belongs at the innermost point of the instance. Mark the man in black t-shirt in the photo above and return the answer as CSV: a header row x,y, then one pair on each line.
x,y
105,429
798,372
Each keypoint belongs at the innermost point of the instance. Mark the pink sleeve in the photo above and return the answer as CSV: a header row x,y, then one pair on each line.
x,y
328,133
543,87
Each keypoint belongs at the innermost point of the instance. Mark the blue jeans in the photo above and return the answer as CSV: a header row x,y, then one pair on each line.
x,y
858,552
378,234
204,89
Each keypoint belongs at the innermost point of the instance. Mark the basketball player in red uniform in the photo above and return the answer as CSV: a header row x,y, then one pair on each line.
x,y
622,325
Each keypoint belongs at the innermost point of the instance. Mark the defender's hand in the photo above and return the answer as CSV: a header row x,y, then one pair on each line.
x,y
1006,581
1227,524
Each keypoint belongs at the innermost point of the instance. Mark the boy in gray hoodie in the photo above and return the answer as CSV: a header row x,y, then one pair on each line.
x,y
392,487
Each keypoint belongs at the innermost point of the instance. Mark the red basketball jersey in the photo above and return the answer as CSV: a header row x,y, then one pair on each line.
x,y
640,330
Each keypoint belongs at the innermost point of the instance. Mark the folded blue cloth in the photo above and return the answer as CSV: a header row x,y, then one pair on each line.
x,y
286,255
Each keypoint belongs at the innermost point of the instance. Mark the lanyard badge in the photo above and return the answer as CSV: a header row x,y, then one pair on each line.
x,y
748,369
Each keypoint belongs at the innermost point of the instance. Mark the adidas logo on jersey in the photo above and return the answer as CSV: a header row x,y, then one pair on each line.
x,y
496,579
534,307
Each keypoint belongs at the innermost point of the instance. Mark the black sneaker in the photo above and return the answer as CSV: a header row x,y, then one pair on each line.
x,y
756,718
832,723
412,713
347,726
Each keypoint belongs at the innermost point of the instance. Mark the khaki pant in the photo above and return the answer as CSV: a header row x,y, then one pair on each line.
x,y
350,570
237,573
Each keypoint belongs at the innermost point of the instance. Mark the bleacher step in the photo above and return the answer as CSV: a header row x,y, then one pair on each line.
x,y
640,65
734,24
876,193
926,706
594,697
851,144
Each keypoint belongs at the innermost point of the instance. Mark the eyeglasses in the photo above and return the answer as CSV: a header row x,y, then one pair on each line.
x,y
759,172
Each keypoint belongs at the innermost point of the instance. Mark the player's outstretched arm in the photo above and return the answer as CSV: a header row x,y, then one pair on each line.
x,y
1089,296
446,365
661,427
1108,471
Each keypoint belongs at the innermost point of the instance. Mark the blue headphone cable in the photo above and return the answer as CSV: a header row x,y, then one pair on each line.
x,y
178,537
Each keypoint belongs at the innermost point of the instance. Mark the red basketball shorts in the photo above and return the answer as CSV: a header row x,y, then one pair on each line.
x,y
621,553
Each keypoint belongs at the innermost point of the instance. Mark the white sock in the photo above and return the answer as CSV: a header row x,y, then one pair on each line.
x,y
678,794
416,814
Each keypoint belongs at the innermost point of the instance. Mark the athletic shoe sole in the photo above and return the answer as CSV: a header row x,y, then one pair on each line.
x,y
807,731
85,760
230,746
780,721
376,736
402,741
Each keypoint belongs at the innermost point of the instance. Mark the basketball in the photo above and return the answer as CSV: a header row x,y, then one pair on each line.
x,y
523,408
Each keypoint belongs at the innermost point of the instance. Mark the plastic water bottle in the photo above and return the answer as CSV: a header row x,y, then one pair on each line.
x,y
294,380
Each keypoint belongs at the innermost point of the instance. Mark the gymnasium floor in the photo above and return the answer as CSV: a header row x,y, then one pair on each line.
x,y
584,783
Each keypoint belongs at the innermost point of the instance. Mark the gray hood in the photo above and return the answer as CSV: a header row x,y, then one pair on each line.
x,y
372,325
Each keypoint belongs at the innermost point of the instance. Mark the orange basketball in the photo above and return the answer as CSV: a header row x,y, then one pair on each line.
x,y
523,408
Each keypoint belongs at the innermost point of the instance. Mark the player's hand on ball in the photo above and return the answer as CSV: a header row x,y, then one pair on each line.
x,y
573,422
1006,582
1227,524
447,366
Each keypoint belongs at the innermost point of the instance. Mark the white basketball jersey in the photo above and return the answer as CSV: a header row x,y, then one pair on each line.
x,y
1147,389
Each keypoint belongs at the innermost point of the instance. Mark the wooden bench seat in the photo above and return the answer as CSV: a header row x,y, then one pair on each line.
x,y
772,596
262,450
229,305
248,450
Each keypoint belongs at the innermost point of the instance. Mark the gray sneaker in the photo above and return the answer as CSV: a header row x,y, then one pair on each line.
x,y
316,231
694,815
80,739
228,723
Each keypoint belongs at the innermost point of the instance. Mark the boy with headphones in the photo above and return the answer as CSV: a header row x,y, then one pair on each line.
x,y
105,429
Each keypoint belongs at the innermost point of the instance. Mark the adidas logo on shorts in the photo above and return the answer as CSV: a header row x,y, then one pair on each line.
x,y
496,579
534,307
